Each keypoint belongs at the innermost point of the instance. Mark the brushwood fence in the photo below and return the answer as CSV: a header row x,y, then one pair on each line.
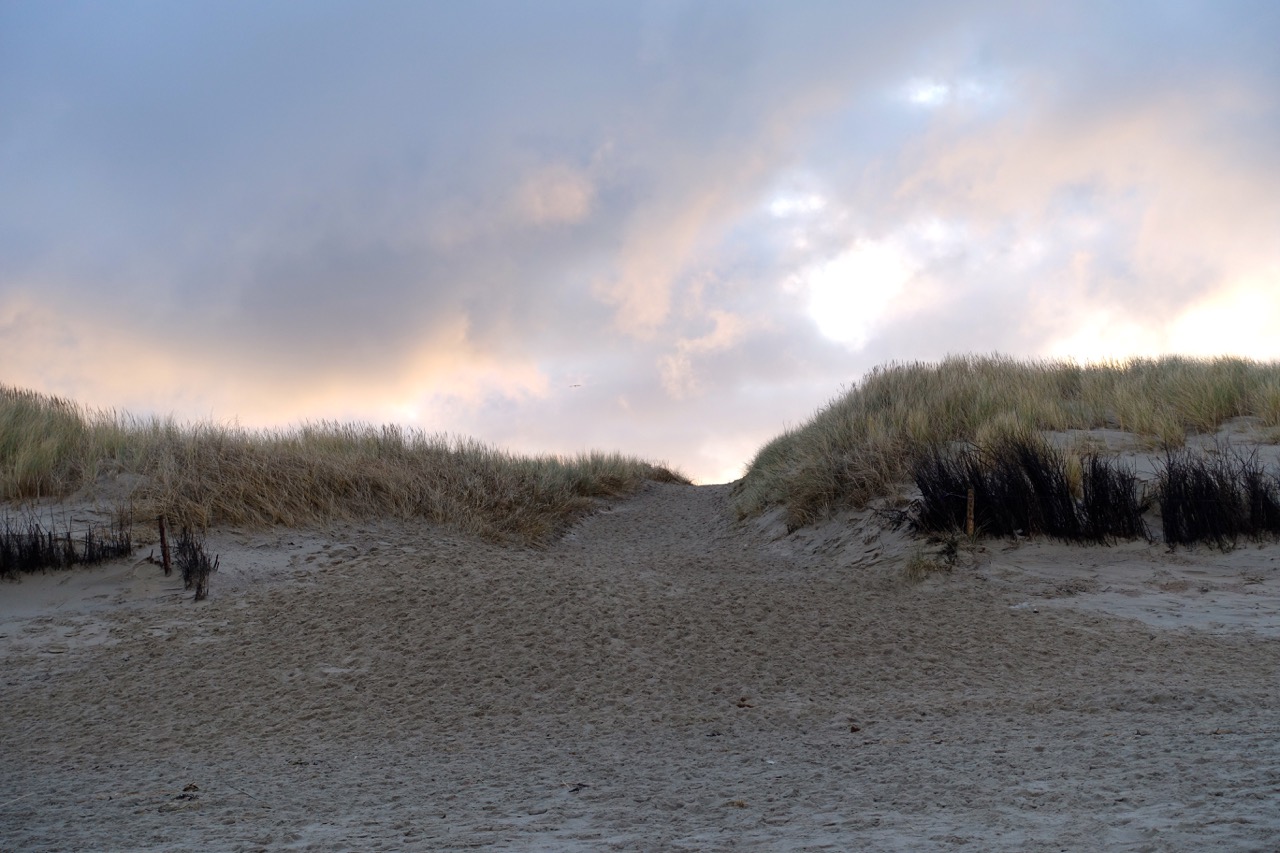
x,y
1023,487
1218,499
29,547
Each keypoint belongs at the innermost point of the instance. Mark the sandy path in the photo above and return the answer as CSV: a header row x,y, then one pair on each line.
x,y
661,680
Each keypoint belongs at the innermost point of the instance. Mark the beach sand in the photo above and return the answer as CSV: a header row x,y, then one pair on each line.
x,y
663,678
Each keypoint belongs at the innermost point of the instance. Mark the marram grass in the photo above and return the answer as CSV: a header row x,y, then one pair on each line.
x,y
862,444
204,474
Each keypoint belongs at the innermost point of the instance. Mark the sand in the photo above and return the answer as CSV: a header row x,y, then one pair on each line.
x,y
664,678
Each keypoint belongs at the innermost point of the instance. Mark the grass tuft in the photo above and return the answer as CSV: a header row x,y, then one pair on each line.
x,y
920,566
203,474
194,562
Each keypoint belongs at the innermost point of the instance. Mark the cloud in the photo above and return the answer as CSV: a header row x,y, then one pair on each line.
x,y
656,250
554,195
120,364
707,217
1242,318
849,294
678,375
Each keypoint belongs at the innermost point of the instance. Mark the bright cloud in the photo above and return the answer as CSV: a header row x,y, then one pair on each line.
x,y
1097,336
849,294
1242,320
930,93
784,206
927,93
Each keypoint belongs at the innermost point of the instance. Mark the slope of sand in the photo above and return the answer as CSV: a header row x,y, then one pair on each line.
x,y
662,679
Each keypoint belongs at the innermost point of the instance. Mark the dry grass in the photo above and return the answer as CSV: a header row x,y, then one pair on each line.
x,y
862,444
202,474
920,566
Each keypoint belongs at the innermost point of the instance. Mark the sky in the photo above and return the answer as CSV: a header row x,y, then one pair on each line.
x,y
668,228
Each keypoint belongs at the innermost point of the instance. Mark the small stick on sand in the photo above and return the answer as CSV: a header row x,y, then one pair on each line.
x,y
15,799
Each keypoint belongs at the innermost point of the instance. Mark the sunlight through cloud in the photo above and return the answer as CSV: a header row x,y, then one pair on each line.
x,y
927,93
1243,321
795,205
850,293
932,93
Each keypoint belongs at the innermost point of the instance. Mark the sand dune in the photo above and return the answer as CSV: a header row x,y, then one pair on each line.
x,y
662,679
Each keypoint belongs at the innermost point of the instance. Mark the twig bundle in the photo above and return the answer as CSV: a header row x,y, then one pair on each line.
x,y
194,563
31,548
1020,486
1217,499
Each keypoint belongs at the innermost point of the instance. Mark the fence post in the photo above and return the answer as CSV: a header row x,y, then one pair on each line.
x,y
968,518
164,549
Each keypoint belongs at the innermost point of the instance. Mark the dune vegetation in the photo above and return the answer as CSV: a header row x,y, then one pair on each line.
x,y
205,474
865,443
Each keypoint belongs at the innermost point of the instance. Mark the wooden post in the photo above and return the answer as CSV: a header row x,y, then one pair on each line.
x,y
968,519
164,549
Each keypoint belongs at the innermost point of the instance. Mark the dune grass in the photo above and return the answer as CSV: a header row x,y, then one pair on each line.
x,y
204,474
863,444
1024,486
